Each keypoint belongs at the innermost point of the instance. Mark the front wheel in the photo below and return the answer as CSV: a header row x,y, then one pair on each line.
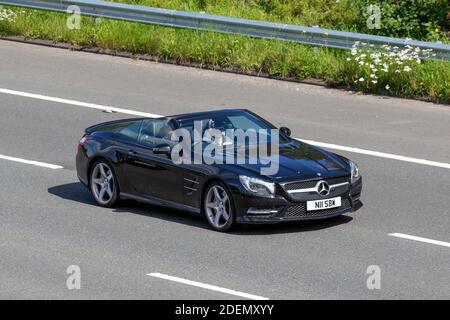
x,y
218,207
103,184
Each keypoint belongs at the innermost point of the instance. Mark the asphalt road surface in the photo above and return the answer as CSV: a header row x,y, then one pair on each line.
x,y
49,222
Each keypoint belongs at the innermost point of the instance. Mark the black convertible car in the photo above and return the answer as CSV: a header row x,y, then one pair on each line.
x,y
133,159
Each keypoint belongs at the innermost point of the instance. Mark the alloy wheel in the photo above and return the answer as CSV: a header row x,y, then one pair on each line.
x,y
217,207
102,183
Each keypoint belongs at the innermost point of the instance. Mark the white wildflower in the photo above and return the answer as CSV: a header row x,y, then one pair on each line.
x,y
384,60
7,15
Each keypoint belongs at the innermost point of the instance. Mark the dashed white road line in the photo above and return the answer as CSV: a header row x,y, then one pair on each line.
x,y
32,162
207,286
415,238
151,115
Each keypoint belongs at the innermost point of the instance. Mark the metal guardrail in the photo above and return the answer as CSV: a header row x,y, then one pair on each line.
x,y
200,21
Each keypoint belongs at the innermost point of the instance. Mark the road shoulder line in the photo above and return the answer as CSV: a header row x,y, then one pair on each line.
x,y
151,115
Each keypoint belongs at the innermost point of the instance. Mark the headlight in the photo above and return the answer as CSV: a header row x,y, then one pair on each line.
x,y
355,172
257,186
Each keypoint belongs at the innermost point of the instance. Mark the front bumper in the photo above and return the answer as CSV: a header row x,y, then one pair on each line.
x,y
285,209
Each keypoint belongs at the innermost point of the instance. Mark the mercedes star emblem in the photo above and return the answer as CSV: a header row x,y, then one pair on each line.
x,y
323,188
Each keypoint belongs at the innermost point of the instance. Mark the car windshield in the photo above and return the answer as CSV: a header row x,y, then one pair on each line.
x,y
244,121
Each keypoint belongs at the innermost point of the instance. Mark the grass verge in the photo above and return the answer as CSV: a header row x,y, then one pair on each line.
x,y
428,80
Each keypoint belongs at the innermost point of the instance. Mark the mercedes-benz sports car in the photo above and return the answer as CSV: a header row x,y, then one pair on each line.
x,y
134,159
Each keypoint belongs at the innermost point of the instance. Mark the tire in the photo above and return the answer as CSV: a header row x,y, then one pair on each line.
x,y
103,184
218,207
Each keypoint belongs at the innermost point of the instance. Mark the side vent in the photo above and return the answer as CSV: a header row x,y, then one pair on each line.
x,y
190,185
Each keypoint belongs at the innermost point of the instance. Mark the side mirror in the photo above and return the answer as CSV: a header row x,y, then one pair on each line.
x,y
162,149
286,131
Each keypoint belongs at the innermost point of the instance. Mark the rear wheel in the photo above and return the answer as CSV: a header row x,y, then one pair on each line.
x,y
103,184
218,207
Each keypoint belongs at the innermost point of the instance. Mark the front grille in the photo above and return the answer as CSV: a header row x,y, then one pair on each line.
x,y
300,185
312,195
312,183
299,211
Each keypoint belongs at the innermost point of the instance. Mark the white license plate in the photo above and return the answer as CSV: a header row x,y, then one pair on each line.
x,y
323,204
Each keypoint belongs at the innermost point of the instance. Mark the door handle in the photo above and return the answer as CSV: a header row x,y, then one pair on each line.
x,y
144,163
131,154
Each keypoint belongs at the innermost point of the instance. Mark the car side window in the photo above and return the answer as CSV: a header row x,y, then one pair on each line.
x,y
155,132
130,131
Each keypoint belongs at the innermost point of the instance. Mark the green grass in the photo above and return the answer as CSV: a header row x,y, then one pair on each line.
x,y
274,58
420,19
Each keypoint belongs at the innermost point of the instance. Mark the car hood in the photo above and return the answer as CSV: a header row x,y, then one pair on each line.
x,y
300,161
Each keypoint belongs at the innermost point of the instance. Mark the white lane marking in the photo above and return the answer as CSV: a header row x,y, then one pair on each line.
x,y
34,163
77,103
151,115
379,154
426,240
206,286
